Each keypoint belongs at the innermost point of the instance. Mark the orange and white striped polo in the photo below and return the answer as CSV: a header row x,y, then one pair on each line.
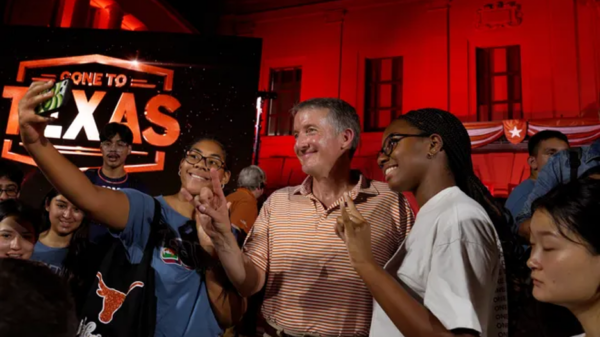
x,y
311,286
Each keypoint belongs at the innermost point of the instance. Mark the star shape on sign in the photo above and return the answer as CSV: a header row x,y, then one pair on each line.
x,y
515,132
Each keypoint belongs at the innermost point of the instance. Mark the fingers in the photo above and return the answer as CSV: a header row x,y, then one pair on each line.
x,y
217,189
38,87
339,228
205,209
353,213
229,205
345,216
39,99
350,203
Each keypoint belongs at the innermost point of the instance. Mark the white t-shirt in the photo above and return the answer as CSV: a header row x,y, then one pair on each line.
x,y
452,263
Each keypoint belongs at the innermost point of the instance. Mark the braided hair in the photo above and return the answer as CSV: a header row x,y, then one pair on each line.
x,y
457,145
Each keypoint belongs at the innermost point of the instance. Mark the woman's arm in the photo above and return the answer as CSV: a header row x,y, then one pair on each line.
x,y
103,205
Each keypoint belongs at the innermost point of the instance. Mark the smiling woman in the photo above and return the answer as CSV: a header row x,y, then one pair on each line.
x,y
18,229
183,293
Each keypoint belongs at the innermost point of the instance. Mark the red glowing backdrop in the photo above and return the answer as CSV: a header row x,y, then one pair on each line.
x,y
484,60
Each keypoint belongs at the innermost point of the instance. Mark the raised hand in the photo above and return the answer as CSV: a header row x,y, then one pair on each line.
x,y
31,124
354,230
214,205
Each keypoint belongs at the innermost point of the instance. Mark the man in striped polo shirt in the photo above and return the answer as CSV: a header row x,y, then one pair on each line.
x,y
293,250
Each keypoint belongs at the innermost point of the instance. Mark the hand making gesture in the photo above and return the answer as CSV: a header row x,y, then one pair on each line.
x,y
354,230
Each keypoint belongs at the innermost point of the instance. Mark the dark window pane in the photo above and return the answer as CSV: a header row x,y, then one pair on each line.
x,y
385,96
498,83
383,92
385,118
286,83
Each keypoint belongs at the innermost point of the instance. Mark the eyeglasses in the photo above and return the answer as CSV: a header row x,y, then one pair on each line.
x,y
11,191
393,139
193,158
119,145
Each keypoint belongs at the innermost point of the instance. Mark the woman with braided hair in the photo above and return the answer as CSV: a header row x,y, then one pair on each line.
x,y
448,278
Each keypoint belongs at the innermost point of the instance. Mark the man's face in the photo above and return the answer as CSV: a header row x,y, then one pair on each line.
x,y
115,152
546,149
318,145
10,189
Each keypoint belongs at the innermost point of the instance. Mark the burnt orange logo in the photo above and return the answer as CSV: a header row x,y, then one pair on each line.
x,y
112,299
124,76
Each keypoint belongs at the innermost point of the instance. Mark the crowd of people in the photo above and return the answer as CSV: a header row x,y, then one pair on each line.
x,y
338,255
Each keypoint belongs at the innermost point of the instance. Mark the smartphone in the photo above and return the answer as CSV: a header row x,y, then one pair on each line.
x,y
62,95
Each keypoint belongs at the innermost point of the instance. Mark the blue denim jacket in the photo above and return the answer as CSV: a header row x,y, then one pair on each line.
x,y
555,172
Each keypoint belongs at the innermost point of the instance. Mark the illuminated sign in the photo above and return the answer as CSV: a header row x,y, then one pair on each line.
x,y
106,84
167,92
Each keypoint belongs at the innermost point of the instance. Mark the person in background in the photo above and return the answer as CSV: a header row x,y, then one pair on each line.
x,y
556,171
193,299
34,301
292,250
115,144
64,245
244,201
19,229
542,146
448,279
64,229
565,256
11,178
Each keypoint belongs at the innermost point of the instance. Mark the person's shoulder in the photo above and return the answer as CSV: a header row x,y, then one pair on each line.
x,y
136,195
524,187
461,215
454,208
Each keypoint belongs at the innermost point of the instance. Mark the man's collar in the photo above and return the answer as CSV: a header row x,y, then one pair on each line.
x,y
364,186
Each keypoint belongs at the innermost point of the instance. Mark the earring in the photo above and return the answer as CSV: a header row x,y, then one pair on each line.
x,y
429,155
222,186
179,173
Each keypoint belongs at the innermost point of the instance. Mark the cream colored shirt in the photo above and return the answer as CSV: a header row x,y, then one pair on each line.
x,y
452,263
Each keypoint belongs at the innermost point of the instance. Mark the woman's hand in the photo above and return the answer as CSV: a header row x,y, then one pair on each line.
x,y
354,230
31,124
212,205
203,221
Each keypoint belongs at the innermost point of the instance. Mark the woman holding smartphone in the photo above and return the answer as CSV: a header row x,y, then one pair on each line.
x,y
189,302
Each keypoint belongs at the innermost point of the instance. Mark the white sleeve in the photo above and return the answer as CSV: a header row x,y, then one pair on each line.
x,y
462,282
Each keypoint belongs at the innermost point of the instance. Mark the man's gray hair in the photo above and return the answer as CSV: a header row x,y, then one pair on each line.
x,y
251,177
341,115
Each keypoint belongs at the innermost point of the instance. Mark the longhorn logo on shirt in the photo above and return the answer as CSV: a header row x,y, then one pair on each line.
x,y
112,299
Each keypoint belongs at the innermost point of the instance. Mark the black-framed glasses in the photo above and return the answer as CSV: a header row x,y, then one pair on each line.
x,y
193,158
11,191
393,139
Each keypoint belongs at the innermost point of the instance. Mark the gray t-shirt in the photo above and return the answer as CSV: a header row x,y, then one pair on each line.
x,y
54,258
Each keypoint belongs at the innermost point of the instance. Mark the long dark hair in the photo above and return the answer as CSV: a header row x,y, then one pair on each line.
x,y
457,146
575,208
78,245
22,213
